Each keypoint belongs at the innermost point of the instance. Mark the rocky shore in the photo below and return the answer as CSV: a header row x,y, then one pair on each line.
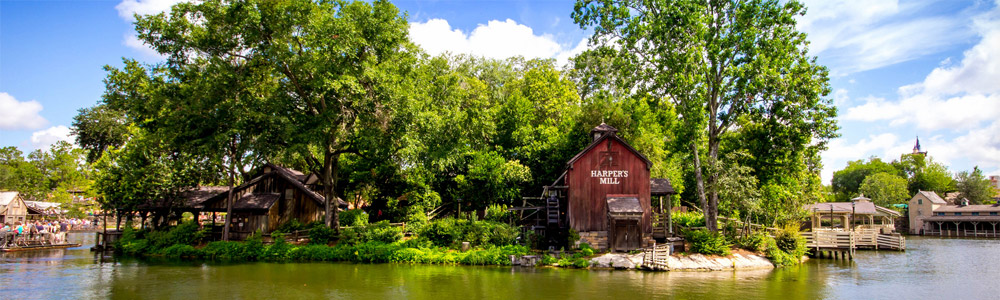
x,y
692,262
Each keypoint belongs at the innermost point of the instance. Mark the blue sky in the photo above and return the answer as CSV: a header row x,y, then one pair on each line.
x,y
900,69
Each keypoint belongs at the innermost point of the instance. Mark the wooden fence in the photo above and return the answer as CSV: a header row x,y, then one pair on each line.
x,y
655,257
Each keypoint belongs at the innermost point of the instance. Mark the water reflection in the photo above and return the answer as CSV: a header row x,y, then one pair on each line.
x,y
931,268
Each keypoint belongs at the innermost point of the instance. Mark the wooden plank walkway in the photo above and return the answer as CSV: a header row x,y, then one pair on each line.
x,y
836,243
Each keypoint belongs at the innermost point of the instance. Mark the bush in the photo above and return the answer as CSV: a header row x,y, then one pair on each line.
x,y
756,241
688,219
353,217
444,232
320,235
705,242
547,260
181,250
449,232
292,225
382,232
789,239
498,213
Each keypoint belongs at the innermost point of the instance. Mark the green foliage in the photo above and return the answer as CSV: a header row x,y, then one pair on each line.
x,y
885,189
706,242
688,219
547,260
320,235
498,213
353,217
756,241
786,248
449,232
292,225
847,182
180,250
974,186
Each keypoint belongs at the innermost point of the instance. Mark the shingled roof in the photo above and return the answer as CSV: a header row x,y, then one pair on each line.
x,y
932,196
660,187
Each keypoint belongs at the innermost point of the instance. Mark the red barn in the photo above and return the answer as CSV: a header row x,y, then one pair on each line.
x,y
608,193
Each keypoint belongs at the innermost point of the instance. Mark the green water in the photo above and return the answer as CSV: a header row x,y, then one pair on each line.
x,y
930,269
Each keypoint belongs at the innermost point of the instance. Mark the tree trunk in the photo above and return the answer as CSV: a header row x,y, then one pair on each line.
x,y
711,215
331,165
699,180
229,205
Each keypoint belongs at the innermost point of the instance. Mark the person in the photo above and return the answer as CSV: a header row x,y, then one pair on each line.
x,y
19,228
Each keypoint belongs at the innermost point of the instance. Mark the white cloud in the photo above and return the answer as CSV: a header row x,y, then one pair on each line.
x,y
132,41
495,39
128,8
19,115
859,35
44,139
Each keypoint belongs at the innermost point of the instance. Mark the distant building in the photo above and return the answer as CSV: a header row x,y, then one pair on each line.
x,y
931,215
916,148
995,181
12,208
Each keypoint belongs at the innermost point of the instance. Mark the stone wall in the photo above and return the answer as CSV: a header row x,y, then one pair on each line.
x,y
596,239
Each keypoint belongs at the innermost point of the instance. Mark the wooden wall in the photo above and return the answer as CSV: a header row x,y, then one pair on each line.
x,y
587,193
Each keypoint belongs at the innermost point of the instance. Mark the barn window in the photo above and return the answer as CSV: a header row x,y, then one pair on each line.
x,y
993,213
940,213
920,201
975,214
958,214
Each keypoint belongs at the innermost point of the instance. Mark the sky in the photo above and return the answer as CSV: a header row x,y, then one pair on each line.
x,y
899,69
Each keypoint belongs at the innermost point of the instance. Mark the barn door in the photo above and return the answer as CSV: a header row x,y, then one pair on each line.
x,y
626,235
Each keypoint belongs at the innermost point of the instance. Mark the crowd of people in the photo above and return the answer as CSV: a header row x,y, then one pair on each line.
x,y
50,231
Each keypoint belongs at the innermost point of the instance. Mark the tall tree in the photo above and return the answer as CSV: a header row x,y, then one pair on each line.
x,y
846,183
720,62
885,189
974,186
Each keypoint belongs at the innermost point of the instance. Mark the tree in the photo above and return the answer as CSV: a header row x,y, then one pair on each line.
x,y
338,68
720,62
98,129
974,186
847,182
885,189
925,174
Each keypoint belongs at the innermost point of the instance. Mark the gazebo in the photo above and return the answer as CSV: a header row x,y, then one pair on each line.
x,y
860,213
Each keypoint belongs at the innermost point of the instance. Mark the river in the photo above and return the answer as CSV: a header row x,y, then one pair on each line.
x,y
931,268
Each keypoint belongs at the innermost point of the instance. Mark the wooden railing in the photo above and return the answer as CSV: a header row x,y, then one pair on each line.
x,y
655,258
829,239
893,241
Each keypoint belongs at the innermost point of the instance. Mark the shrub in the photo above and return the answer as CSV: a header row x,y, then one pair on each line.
x,y
320,235
181,250
756,241
382,232
444,232
547,260
587,252
375,252
688,219
705,242
353,217
292,225
789,239
498,213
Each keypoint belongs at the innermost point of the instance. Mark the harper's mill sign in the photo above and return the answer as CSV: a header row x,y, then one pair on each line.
x,y
609,176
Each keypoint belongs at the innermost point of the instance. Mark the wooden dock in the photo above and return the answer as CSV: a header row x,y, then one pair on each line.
x,y
843,244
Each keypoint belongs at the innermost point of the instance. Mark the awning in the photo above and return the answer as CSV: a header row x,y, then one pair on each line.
x,y
624,207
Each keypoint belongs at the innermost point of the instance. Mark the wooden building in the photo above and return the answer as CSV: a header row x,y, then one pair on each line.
x,y
191,200
275,196
12,208
858,214
608,193
930,215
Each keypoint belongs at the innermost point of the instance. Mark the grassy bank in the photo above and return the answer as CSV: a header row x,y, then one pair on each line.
x,y
435,243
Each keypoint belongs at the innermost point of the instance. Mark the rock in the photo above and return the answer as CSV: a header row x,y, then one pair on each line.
x,y
616,261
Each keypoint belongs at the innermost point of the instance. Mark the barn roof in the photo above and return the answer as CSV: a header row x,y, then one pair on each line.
x,y
932,196
192,198
660,187
613,136
6,197
256,201
293,177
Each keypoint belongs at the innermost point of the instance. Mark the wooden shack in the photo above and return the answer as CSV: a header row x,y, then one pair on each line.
x,y
275,196
12,208
608,193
